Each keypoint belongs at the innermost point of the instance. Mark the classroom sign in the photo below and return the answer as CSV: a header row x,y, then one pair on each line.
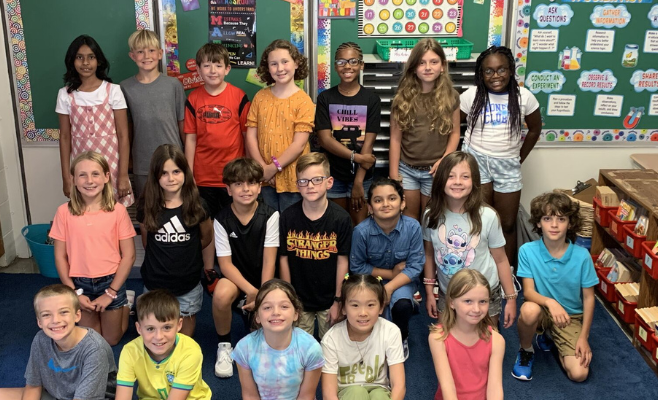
x,y
592,66
416,18
232,23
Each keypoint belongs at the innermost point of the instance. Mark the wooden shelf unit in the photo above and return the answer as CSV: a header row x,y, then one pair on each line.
x,y
642,187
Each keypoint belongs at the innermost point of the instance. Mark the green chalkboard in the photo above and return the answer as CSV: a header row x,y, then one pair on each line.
x,y
50,26
601,75
272,22
475,26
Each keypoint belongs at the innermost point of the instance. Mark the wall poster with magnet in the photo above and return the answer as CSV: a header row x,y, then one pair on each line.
x,y
593,66
410,18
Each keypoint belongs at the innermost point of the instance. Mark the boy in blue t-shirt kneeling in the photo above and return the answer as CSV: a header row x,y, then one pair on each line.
x,y
558,286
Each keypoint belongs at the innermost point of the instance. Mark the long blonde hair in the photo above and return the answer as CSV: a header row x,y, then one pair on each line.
x,y
77,205
460,283
407,102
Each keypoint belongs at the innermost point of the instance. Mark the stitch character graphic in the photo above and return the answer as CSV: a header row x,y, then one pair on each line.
x,y
458,251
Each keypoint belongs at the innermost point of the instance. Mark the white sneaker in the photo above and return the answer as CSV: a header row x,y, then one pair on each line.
x,y
224,364
405,348
130,295
418,297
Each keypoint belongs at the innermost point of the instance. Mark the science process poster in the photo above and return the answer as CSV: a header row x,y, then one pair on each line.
x,y
233,25
411,18
593,66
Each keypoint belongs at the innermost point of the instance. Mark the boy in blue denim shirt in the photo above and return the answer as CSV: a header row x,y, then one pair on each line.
x,y
390,245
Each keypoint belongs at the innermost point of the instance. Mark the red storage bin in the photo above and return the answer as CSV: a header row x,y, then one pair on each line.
x,y
605,287
601,213
617,225
597,266
650,260
625,309
654,355
644,333
633,242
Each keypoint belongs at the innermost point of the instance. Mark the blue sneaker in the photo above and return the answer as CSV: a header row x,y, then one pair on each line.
x,y
523,365
544,342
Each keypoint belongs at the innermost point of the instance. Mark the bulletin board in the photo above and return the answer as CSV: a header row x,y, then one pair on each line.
x,y
39,33
593,67
483,25
185,31
399,18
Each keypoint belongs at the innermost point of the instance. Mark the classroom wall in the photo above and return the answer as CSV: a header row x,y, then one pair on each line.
x,y
12,207
560,167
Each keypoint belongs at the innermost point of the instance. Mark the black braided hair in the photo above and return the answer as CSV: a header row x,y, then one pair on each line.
x,y
349,45
481,101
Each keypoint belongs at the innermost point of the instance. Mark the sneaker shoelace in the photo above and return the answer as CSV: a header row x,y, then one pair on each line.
x,y
225,355
525,356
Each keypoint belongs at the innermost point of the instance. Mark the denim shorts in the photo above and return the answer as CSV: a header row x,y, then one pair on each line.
x,y
95,288
505,173
279,201
190,302
415,179
343,189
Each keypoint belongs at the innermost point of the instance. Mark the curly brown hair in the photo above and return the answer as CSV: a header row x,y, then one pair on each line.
x,y
263,70
552,203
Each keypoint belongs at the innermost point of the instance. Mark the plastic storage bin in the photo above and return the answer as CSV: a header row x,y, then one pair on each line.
x,y
605,287
617,226
464,47
633,241
601,213
44,254
654,355
625,309
644,333
649,260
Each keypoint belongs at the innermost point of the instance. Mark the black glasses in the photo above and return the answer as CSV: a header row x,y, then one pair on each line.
x,y
500,71
316,181
341,62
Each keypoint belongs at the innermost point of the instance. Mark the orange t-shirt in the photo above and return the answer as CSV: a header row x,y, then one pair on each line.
x,y
92,239
277,121
218,122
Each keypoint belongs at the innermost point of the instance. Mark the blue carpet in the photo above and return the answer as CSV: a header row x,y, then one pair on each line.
x,y
618,371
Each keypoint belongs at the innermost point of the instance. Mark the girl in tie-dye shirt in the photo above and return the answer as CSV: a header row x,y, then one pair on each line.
x,y
278,361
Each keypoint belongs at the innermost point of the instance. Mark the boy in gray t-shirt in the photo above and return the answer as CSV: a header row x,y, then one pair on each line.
x,y
66,361
156,104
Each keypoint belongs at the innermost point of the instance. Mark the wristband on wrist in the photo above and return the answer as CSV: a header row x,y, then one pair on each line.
x,y
337,299
112,289
112,296
512,296
79,291
427,281
276,164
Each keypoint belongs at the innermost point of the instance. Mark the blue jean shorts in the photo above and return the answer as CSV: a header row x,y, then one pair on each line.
x,y
415,179
505,173
343,189
190,302
95,288
279,201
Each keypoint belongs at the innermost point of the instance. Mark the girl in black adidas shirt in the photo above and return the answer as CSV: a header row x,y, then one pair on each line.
x,y
175,227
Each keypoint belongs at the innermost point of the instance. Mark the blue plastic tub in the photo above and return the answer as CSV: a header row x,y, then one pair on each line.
x,y
44,254
585,242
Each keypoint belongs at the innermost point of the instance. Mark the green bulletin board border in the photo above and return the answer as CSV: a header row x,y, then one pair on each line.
x,y
521,16
30,133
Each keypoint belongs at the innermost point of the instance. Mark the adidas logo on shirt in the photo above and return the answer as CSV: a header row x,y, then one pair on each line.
x,y
172,232
233,235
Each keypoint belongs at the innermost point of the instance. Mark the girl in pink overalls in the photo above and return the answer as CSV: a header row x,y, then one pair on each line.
x,y
93,116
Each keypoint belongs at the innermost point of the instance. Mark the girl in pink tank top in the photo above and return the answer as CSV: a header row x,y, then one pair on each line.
x,y
467,352
93,116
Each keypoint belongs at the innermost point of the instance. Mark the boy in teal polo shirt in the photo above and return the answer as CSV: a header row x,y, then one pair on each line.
x,y
558,286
